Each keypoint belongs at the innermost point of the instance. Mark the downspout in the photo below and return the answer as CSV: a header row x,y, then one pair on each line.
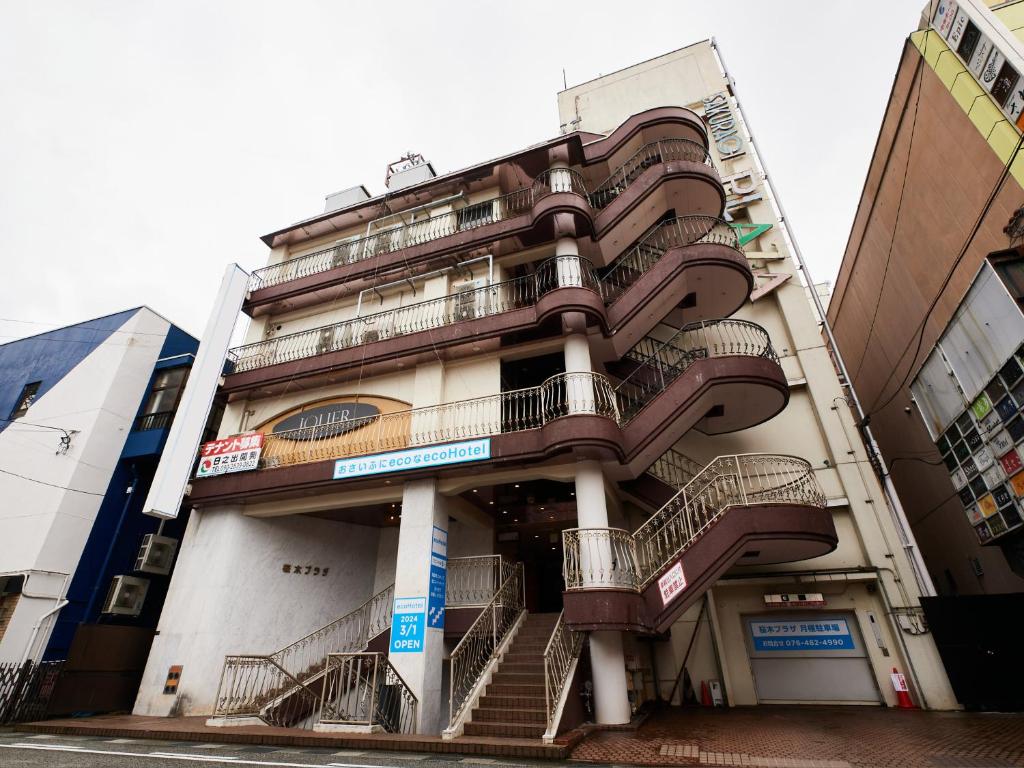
x,y
924,581
110,547
61,603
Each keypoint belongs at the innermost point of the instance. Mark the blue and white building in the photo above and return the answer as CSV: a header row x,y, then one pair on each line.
x,y
84,415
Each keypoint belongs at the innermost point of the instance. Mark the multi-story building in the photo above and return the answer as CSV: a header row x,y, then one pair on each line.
x,y
943,184
558,423
84,415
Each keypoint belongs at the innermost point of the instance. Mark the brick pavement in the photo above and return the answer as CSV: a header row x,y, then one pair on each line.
x,y
818,737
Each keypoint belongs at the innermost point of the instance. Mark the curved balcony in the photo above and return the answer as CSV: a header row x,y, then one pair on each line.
x,y
689,268
713,376
753,508
670,174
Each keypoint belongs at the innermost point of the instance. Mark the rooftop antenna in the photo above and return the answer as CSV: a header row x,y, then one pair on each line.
x,y
565,85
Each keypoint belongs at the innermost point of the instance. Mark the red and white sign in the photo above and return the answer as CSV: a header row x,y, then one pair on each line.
x,y
899,682
232,454
672,583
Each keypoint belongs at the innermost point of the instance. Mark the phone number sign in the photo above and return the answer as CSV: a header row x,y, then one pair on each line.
x,y
408,623
825,634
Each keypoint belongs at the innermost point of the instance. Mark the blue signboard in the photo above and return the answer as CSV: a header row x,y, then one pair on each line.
x,y
819,635
413,458
407,624
438,578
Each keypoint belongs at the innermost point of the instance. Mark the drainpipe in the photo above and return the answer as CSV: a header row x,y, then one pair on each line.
x,y
61,602
113,541
924,581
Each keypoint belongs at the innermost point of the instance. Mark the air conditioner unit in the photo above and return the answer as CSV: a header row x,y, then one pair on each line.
x,y
156,555
126,596
470,300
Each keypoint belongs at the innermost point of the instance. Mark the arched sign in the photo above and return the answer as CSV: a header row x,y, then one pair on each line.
x,y
325,421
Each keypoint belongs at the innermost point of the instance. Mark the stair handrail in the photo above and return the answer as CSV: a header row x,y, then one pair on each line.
x,y
728,481
472,655
675,469
365,689
248,682
660,151
677,232
659,363
257,688
560,655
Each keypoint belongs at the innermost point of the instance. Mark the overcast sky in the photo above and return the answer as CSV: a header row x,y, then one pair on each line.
x,y
145,145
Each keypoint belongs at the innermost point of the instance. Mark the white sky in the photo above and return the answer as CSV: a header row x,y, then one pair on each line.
x,y
144,145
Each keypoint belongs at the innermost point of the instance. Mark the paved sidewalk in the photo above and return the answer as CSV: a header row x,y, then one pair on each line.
x,y
819,737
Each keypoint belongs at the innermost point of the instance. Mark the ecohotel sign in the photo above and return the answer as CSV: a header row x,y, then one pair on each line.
x,y
413,458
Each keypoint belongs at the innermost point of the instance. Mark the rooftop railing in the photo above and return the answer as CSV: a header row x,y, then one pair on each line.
x,y
501,208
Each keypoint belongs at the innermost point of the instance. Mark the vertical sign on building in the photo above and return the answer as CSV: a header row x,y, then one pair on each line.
x,y
407,624
438,578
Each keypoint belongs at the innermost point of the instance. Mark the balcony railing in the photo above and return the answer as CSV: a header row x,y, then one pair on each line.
x,y
505,296
158,420
472,581
514,411
490,211
611,558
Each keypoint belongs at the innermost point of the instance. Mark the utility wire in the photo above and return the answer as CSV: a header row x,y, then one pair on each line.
x,y
51,485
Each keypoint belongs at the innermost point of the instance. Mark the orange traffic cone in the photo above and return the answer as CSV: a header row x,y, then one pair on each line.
x,y
705,695
899,684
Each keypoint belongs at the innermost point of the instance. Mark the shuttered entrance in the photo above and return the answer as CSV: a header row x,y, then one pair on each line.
x,y
809,658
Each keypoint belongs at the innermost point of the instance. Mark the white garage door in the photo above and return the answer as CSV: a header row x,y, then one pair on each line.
x,y
809,657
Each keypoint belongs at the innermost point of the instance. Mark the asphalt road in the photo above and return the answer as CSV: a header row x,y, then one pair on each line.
x,y
22,749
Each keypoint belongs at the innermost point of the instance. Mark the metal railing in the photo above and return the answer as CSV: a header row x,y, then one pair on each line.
x,y
518,410
470,658
658,363
148,421
393,239
272,686
675,469
365,689
505,296
663,151
501,208
422,316
562,650
472,581
674,233
612,558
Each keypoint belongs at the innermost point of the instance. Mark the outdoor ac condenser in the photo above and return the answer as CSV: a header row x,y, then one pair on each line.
x,y
156,555
126,596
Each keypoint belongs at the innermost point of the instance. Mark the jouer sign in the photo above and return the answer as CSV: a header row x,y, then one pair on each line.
x,y
328,420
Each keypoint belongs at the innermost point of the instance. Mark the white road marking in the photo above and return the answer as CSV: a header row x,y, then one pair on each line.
x,y
173,756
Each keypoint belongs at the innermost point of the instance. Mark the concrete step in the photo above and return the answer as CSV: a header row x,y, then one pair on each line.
x,y
515,730
515,678
521,667
506,715
532,690
523,701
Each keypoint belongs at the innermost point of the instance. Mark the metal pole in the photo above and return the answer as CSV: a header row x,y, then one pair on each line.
x,y
918,567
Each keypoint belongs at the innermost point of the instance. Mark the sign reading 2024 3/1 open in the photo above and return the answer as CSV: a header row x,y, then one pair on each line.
x,y
408,623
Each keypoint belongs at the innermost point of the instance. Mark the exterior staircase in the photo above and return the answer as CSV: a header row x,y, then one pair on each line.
x,y
513,704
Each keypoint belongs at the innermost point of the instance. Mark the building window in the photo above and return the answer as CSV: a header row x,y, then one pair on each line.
x,y
28,394
163,399
1010,268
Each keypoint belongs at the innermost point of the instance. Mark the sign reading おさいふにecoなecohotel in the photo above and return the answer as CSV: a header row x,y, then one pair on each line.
x,y
413,458
232,454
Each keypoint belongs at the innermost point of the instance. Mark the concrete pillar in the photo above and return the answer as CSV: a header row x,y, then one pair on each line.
x,y
607,659
424,521
579,390
568,269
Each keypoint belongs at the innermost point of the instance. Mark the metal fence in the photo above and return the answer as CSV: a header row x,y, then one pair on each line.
x,y
562,650
26,688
